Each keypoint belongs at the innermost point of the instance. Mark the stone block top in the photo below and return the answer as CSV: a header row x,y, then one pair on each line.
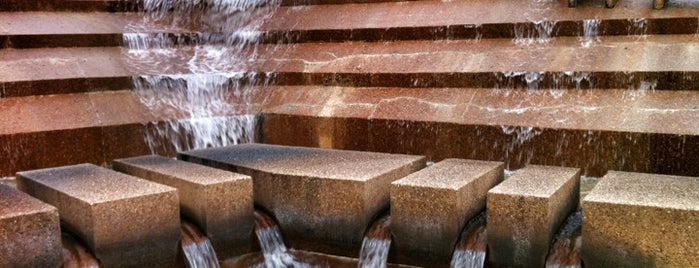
x,y
536,181
642,189
15,203
94,184
306,162
451,173
186,171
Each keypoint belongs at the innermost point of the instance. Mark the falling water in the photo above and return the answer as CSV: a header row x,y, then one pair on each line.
x,y
590,32
471,249
201,63
565,252
197,248
539,32
376,244
274,250
76,255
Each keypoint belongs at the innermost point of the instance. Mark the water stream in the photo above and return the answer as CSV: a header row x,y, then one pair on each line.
x,y
472,247
197,248
376,244
201,89
565,251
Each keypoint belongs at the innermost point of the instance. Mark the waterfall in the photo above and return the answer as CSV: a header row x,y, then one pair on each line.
x,y
197,248
471,249
565,251
201,96
376,244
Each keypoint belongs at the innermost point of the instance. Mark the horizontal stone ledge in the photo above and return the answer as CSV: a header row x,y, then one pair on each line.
x,y
595,151
323,199
69,5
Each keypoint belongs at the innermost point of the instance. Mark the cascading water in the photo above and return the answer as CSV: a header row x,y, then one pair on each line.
x,y
197,248
471,249
198,74
274,250
376,244
590,32
565,251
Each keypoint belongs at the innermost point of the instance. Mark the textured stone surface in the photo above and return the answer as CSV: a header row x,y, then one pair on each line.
x,y
125,221
323,199
526,210
641,220
30,234
218,201
429,208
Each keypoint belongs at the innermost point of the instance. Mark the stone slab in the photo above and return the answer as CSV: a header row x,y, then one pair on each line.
x,y
218,201
323,199
124,220
526,211
30,234
641,220
429,208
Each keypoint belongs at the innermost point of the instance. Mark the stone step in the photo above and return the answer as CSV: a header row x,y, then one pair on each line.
x,y
133,5
641,220
526,211
432,20
218,201
596,130
97,127
429,208
658,62
323,199
30,231
125,221
366,22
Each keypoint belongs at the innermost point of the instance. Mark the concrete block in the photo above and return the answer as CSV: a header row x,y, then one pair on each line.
x,y
30,234
323,199
641,220
429,208
526,210
124,220
218,201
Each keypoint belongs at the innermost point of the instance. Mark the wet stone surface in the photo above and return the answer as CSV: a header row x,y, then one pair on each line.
x,y
323,199
641,220
429,208
124,220
218,201
29,231
526,210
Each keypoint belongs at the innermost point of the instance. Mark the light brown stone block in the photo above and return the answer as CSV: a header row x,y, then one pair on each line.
x,y
323,199
641,220
218,201
124,220
30,233
429,208
526,210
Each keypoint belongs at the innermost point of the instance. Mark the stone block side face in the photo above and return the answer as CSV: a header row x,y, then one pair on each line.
x,y
426,222
30,234
521,225
620,232
315,211
222,207
137,232
228,217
